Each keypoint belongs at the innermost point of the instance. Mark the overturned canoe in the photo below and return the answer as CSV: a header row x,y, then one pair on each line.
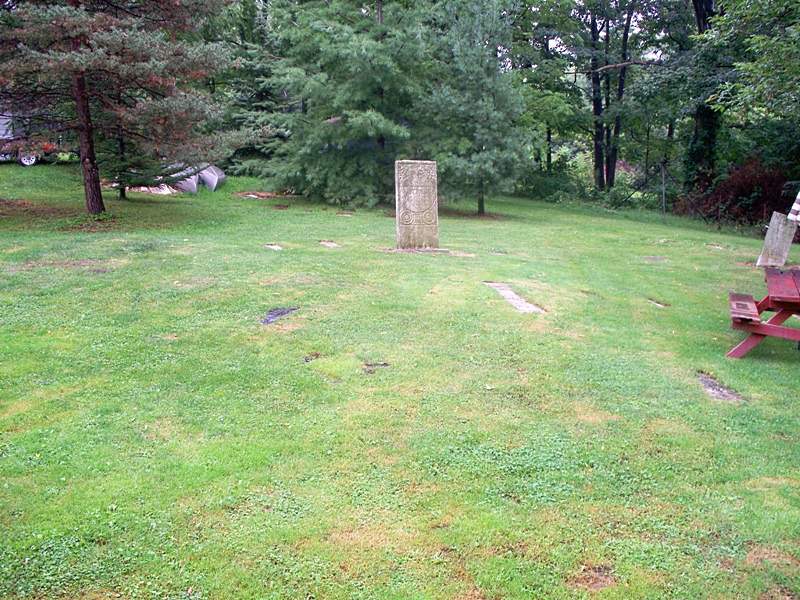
x,y
212,177
188,185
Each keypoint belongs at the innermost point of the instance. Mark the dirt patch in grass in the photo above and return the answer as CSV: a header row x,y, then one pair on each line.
x,y
518,548
90,225
92,265
280,206
588,414
371,367
763,484
716,390
27,209
758,555
472,594
655,259
16,408
593,578
161,430
374,536
286,327
778,593
329,244
271,246
309,357
100,595
194,283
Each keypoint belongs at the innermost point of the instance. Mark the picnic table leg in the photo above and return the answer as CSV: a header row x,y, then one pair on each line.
x,y
754,339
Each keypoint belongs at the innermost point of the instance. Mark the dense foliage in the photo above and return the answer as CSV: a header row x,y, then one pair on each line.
x,y
123,77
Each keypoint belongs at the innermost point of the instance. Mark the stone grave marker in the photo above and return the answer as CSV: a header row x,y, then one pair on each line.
x,y
778,241
417,204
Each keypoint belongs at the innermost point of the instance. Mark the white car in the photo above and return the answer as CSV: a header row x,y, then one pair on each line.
x,y
25,158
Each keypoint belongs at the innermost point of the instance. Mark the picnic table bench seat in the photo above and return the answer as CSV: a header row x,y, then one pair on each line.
x,y
783,299
744,308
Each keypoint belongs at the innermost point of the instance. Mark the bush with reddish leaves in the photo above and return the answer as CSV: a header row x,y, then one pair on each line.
x,y
746,196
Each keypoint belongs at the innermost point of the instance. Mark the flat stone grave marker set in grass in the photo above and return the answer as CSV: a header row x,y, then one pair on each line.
x,y
514,299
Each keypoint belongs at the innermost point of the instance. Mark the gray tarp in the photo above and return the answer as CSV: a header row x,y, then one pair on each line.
x,y
212,177
5,128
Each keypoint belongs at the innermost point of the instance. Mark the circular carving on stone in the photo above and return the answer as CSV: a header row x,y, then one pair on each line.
x,y
429,218
406,218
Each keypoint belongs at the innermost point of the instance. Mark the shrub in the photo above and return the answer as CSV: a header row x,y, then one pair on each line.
x,y
747,195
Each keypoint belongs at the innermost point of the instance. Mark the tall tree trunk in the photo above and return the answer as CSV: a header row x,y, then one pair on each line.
x,y
647,155
91,174
613,151
481,199
549,155
597,109
700,157
607,97
121,187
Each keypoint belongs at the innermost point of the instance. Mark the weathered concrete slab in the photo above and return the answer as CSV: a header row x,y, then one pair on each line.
x,y
778,241
514,299
417,204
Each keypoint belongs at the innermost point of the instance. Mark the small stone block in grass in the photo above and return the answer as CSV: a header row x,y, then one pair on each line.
x,y
514,299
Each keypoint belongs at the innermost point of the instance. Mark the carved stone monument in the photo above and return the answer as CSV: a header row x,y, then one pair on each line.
x,y
778,242
417,204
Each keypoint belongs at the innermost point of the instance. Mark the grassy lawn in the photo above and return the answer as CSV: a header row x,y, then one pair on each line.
x,y
158,441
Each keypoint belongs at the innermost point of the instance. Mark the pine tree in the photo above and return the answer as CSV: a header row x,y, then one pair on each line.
x,y
254,96
125,73
475,103
344,86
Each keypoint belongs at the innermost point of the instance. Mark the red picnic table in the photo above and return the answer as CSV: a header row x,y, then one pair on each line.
x,y
783,298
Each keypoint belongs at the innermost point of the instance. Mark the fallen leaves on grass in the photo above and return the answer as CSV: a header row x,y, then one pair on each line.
x,y
25,208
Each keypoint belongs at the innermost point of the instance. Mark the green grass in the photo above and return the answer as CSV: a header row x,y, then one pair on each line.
x,y
157,441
